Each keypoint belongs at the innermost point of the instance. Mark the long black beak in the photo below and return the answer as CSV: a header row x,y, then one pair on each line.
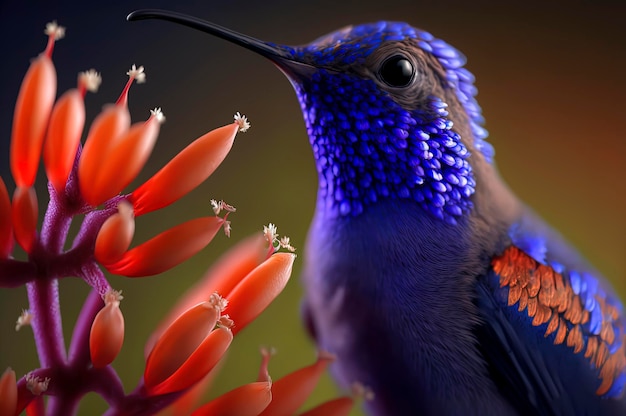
x,y
280,55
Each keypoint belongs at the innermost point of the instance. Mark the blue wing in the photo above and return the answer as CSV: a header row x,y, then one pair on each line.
x,y
554,338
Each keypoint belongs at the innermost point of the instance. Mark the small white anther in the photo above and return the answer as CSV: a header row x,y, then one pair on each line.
x,y
227,228
219,302
270,231
90,79
112,297
36,385
137,74
23,320
243,122
220,205
225,322
158,114
53,29
285,243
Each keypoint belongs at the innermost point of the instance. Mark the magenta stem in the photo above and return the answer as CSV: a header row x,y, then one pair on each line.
x,y
43,297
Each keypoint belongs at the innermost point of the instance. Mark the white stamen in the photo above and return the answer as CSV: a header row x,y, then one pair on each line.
x,y
227,228
243,122
90,79
271,232
220,205
137,74
24,319
112,297
158,114
36,385
219,302
53,29
225,322
284,243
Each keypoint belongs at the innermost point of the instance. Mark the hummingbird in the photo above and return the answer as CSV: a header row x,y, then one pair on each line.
x,y
431,282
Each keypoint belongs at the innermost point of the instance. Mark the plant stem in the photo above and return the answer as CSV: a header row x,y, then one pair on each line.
x,y
79,346
43,297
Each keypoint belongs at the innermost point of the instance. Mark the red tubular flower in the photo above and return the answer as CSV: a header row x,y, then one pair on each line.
x,y
24,214
32,111
188,349
258,289
6,222
115,234
290,392
229,270
247,400
65,128
8,393
106,130
107,331
125,159
167,249
183,353
186,170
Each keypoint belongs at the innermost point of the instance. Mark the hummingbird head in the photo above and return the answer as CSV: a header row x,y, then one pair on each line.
x,y
390,113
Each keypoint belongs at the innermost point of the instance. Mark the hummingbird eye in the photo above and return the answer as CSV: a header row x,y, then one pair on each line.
x,y
397,71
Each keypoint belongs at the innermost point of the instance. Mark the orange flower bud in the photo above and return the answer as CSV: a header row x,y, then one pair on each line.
x,y
66,126
338,407
222,277
24,214
6,223
187,351
258,289
107,331
189,399
167,249
8,393
250,399
115,234
247,400
290,392
185,171
125,159
106,131
30,120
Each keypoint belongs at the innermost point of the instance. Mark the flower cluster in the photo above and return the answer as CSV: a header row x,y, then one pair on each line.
x,y
86,183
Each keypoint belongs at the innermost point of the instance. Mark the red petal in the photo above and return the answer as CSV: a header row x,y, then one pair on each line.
x,y
167,249
121,164
222,277
107,335
30,120
8,393
258,289
66,126
179,341
25,212
247,400
290,392
106,131
185,171
6,223
115,234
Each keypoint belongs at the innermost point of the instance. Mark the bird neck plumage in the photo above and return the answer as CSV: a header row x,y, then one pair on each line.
x,y
367,149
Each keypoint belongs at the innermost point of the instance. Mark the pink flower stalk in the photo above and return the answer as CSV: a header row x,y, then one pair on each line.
x,y
184,351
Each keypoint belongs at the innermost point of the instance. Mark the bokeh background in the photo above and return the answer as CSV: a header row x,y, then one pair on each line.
x,y
552,87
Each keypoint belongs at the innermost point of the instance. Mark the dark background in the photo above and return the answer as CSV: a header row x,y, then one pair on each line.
x,y
551,82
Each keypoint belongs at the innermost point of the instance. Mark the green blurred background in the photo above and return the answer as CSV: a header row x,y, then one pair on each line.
x,y
551,81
